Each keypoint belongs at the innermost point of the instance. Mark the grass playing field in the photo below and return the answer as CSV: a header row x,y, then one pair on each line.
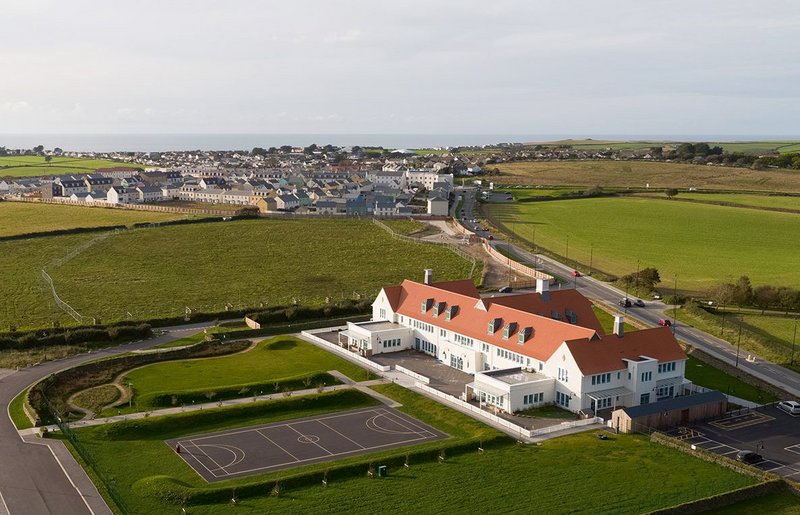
x,y
703,244
740,199
23,217
580,464
273,360
34,166
160,271
638,174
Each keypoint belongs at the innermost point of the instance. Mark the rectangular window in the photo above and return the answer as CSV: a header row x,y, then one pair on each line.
x,y
442,332
382,313
644,399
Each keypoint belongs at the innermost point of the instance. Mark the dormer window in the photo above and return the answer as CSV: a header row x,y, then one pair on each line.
x,y
555,315
451,312
509,329
426,305
524,334
494,324
572,317
438,308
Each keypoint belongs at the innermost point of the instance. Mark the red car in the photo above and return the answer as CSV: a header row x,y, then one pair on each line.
x,y
575,273
664,322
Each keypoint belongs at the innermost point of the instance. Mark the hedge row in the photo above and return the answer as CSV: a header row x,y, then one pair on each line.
x,y
168,400
59,386
711,457
164,427
62,232
169,490
93,336
283,314
722,500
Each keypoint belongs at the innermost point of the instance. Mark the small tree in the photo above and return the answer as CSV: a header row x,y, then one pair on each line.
x,y
671,192
765,296
47,159
722,295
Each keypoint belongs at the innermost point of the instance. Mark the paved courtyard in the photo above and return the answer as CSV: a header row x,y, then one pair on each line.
x,y
443,377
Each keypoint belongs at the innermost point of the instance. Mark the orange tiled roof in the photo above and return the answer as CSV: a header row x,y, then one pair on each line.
x,y
474,314
594,357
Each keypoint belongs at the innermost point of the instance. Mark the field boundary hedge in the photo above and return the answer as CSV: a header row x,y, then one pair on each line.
x,y
51,394
92,335
724,499
741,468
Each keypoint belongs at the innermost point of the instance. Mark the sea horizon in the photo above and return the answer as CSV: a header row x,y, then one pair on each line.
x,y
165,142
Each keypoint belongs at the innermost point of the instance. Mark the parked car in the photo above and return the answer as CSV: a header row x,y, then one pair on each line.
x,y
625,303
790,407
656,295
638,303
575,273
664,322
505,289
491,237
748,457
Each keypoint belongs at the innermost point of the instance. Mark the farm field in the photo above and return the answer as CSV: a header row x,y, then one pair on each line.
x,y
750,147
741,199
33,166
637,174
24,217
158,272
621,232
274,360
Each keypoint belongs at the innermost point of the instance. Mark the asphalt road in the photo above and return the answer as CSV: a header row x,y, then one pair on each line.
x,y
31,480
653,311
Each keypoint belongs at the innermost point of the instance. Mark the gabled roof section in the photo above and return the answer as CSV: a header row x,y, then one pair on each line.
x,y
393,296
607,354
569,304
546,334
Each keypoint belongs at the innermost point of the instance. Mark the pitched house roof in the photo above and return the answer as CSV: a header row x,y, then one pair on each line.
x,y
471,316
593,357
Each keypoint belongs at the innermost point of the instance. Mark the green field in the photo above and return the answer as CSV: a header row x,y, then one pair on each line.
x,y
578,463
160,271
273,360
741,199
24,217
638,174
34,166
779,503
748,147
705,375
700,243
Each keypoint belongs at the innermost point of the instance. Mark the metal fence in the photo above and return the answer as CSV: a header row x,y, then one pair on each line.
x,y
60,303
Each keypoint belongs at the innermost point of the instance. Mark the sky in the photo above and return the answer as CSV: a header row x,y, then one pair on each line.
x,y
430,67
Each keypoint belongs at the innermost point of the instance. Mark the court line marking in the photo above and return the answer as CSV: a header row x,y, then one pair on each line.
x,y
4,505
219,467
276,445
232,449
320,458
315,443
342,435
420,431
372,425
185,446
269,426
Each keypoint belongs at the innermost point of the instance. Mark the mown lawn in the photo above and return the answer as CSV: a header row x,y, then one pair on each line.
x,y
571,474
705,375
161,271
700,243
779,503
23,217
272,360
741,199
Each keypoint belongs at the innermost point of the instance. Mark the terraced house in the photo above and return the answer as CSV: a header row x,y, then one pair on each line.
x,y
525,350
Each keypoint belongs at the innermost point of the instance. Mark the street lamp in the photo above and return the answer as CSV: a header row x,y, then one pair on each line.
x,y
738,341
794,337
675,305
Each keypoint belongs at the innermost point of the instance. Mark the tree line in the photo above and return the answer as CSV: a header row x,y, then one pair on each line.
x,y
765,296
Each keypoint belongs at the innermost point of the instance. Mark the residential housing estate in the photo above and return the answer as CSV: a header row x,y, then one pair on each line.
x,y
525,350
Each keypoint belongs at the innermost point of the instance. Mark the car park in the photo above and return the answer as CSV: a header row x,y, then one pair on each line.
x,y
638,303
748,457
790,407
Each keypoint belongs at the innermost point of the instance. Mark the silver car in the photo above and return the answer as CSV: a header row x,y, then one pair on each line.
x,y
790,407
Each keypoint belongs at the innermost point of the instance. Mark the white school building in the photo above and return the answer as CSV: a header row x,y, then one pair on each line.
x,y
524,350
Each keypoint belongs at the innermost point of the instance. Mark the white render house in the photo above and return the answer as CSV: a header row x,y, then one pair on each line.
x,y
525,349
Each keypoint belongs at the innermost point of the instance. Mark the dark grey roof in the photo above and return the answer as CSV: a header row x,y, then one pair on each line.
x,y
686,401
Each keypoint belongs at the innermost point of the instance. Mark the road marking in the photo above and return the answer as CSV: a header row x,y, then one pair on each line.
x,y
3,506
794,448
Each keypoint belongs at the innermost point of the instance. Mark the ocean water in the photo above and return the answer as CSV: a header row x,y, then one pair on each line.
x,y
167,142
